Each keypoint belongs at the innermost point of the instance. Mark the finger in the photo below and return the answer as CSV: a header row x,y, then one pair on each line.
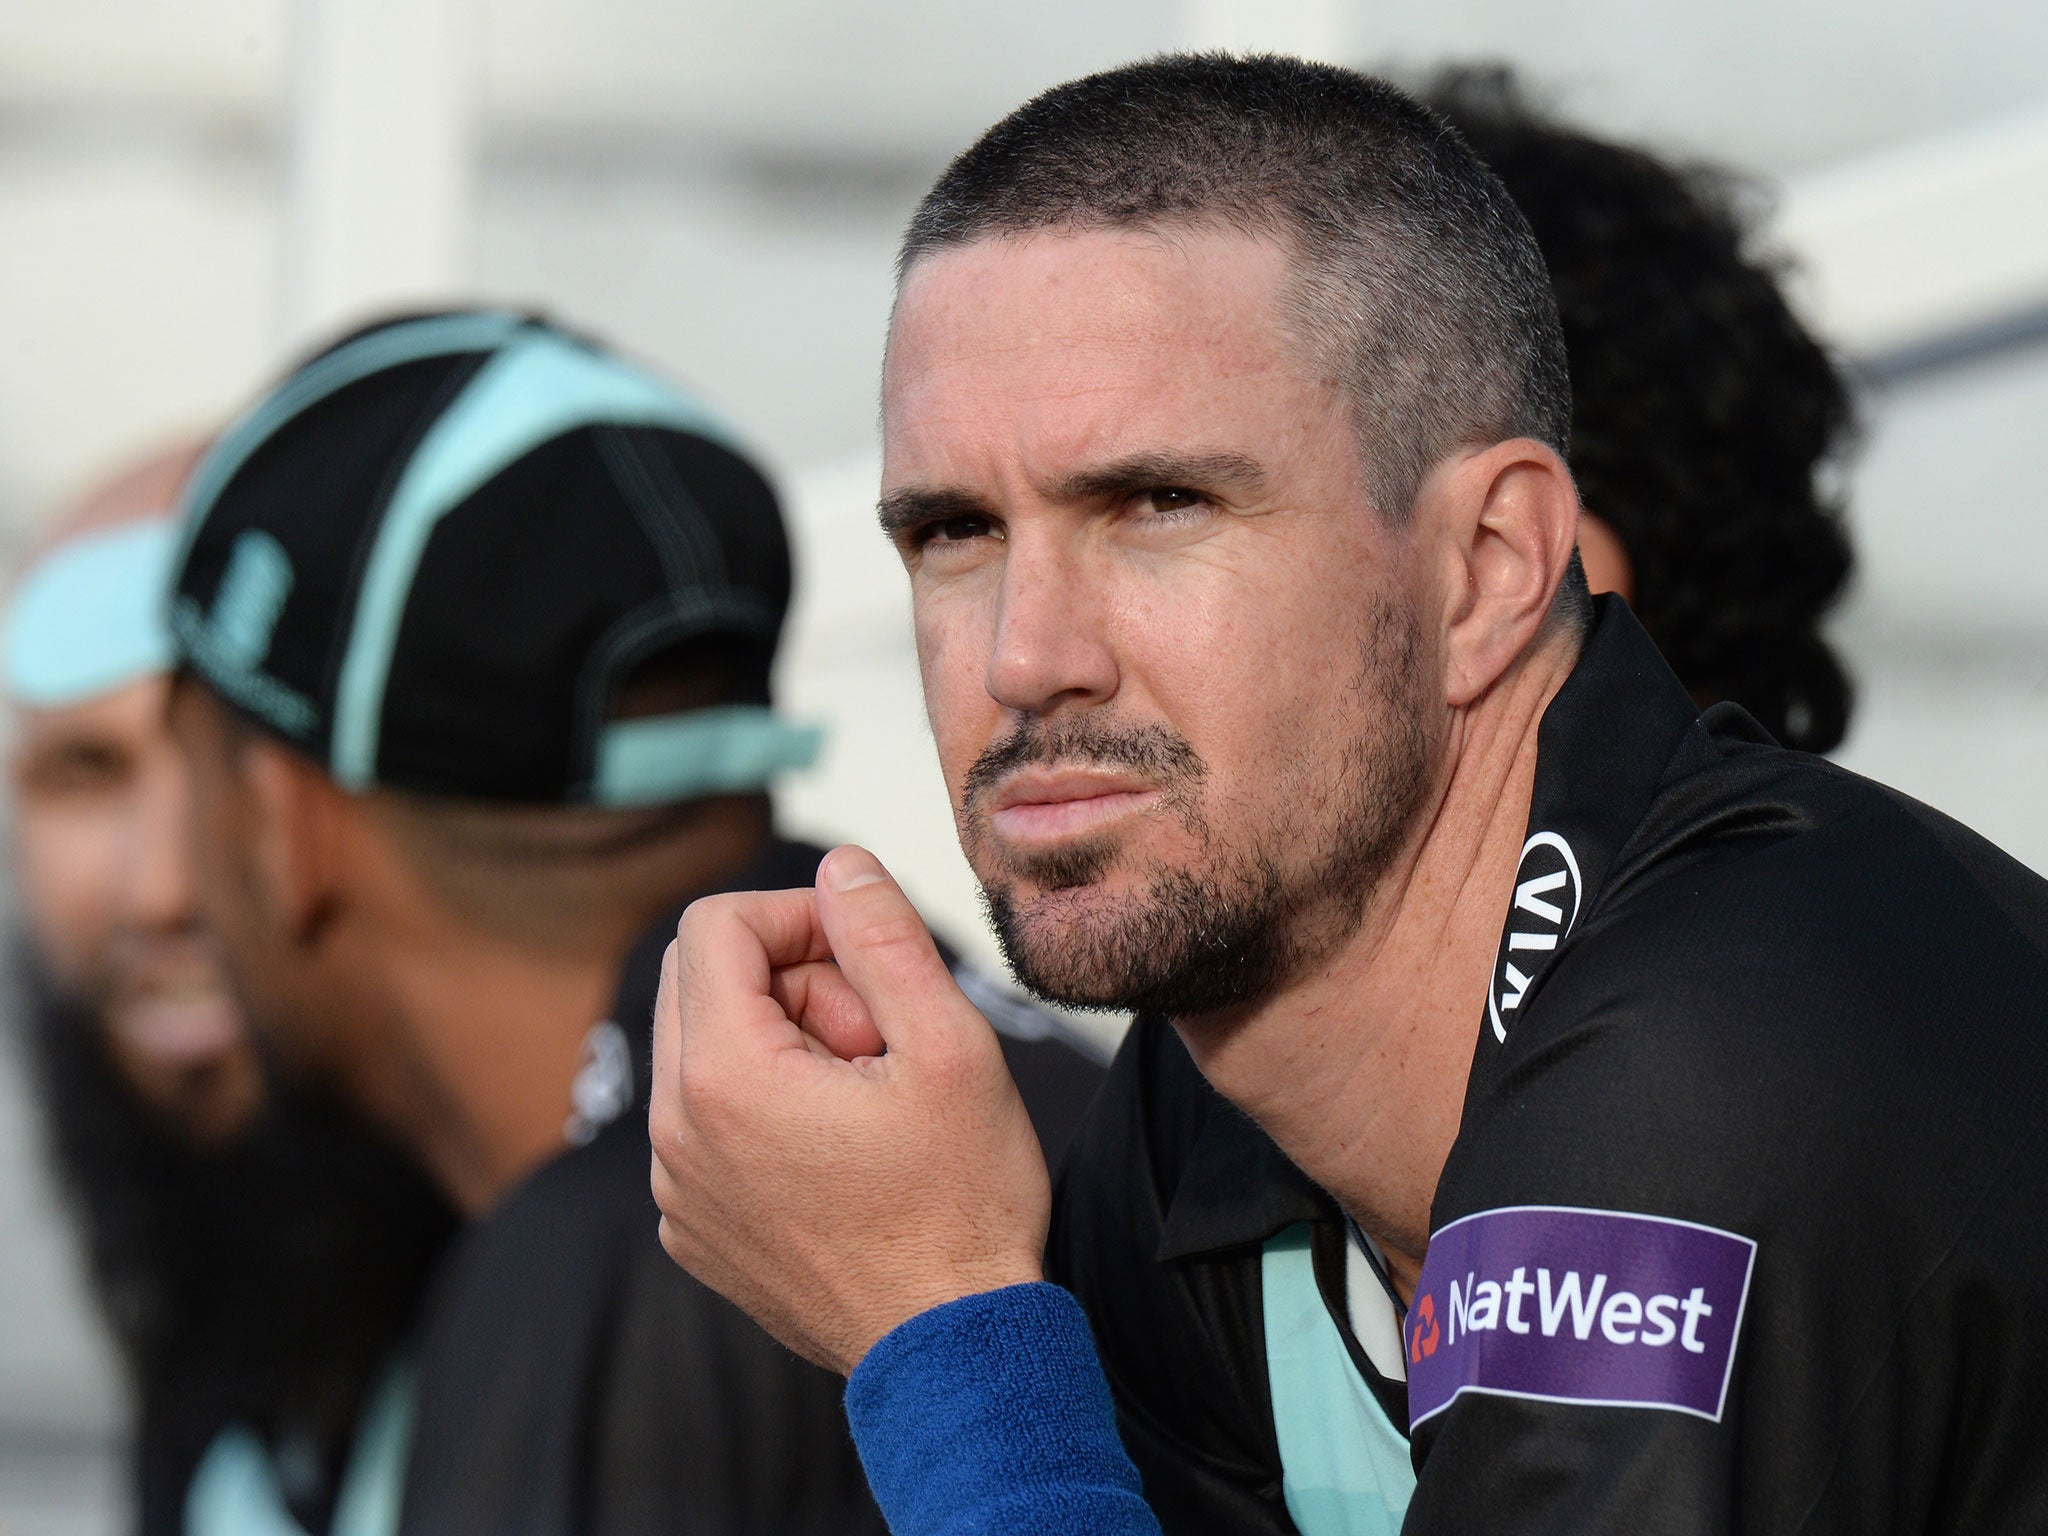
x,y
718,1033
704,1047
663,1185
726,953
734,940
668,1040
884,949
824,1005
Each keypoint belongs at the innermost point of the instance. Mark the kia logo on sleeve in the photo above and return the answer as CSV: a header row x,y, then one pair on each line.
x,y
1545,905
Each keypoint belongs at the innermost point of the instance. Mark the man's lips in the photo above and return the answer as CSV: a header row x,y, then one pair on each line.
x,y
1047,806
180,1027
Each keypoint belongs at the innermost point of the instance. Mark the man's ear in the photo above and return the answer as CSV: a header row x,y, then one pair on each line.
x,y
1509,517
296,837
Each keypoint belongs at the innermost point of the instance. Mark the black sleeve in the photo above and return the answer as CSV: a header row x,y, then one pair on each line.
x,y
1827,1178
504,1366
1180,1340
1907,1410
708,1427
1057,1084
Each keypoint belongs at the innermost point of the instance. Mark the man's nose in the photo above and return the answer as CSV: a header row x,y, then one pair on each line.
x,y
160,888
1051,647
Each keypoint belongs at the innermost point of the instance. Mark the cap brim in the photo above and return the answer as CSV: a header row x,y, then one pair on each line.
x,y
89,618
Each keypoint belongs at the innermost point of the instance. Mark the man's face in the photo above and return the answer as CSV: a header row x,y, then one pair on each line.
x,y
1178,669
282,1001
105,872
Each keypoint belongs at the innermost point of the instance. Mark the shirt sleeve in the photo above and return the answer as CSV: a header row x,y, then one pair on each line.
x,y
1608,1259
990,1414
1731,1236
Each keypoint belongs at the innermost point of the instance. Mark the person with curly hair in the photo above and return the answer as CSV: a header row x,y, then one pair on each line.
x,y
1704,415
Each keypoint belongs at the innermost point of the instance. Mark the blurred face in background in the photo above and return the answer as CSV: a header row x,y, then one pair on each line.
x,y
104,874
291,1004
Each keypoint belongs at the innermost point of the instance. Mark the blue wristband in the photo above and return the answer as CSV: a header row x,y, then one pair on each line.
x,y
991,1413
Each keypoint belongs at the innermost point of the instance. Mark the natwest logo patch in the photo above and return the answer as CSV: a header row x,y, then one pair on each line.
x,y
1578,1306
1546,904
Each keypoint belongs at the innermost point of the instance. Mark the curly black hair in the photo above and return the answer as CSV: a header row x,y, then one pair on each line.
x,y
1704,416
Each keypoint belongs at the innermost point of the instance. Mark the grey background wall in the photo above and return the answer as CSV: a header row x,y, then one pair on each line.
x,y
720,187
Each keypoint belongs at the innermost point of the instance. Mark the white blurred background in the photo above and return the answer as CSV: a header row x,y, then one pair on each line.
x,y
192,189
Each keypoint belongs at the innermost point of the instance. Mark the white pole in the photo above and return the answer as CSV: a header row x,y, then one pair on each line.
x,y
380,193
1327,30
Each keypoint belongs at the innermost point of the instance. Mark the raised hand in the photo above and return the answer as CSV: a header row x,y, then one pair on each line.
x,y
837,1142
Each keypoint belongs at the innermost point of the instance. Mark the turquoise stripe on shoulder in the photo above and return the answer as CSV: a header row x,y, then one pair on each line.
x,y
432,336
1345,1467
536,388
732,749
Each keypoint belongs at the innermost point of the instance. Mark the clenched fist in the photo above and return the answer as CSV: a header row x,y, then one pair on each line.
x,y
837,1142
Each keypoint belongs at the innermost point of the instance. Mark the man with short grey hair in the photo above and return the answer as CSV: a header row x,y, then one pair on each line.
x,y
1624,1124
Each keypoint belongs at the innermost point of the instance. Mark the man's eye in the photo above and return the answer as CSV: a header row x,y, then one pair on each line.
x,y
956,530
1167,500
76,768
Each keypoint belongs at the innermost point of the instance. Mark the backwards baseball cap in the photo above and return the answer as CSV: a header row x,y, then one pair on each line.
x,y
434,557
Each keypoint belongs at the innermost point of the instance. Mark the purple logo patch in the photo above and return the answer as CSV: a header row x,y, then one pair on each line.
x,y
1578,1306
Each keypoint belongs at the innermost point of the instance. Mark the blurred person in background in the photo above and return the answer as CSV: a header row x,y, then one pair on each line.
x,y
255,1257
98,791
476,622
1705,417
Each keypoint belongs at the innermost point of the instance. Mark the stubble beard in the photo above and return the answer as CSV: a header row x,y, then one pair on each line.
x,y
1235,924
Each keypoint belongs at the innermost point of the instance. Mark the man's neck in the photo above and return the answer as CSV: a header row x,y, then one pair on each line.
x,y
487,1024
496,1039
1358,1070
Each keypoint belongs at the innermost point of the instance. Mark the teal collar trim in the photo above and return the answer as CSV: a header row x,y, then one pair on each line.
x,y
728,750
89,617
1345,1468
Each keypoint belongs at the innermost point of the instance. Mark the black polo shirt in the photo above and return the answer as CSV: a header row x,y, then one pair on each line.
x,y
1746,1224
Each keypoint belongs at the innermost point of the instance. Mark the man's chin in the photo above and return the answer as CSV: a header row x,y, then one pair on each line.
x,y
1068,945
1032,875
1178,942
1058,981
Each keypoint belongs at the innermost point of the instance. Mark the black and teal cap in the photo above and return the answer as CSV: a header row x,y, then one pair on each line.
x,y
433,557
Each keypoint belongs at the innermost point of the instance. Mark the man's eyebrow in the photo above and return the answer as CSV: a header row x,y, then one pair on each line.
x,y
914,505
1220,470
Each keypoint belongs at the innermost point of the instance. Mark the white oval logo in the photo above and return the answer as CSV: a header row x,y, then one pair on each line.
x,y
1546,904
